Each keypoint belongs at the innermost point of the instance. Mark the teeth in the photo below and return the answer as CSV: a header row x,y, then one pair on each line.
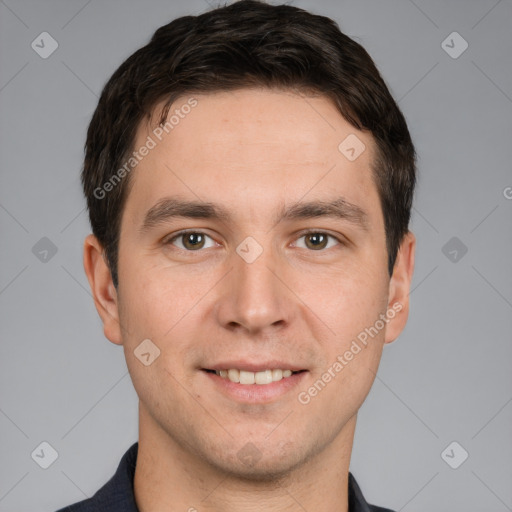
x,y
244,377
277,375
233,375
263,377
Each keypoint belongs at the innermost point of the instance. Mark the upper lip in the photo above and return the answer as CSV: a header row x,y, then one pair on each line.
x,y
254,367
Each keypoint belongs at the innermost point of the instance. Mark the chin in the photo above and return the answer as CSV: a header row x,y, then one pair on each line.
x,y
272,464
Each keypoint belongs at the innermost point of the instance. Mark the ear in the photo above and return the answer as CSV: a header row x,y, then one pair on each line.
x,y
102,288
399,287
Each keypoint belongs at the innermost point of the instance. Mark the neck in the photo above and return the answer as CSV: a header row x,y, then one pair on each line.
x,y
168,477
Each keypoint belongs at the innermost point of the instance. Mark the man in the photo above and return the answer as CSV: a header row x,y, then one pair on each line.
x,y
249,180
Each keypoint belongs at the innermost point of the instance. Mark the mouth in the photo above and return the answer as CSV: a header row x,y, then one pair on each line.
x,y
248,378
255,383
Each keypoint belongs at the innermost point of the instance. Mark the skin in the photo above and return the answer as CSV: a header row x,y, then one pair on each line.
x,y
252,151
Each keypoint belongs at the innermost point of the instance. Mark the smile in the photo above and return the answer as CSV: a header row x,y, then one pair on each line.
x,y
257,386
248,378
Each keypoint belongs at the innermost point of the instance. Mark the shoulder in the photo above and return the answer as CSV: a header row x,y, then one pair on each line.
x,y
117,494
87,505
109,498
356,500
375,508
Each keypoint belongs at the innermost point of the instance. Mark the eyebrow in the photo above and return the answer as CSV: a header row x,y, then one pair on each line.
x,y
169,208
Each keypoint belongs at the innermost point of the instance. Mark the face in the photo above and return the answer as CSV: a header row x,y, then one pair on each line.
x,y
250,242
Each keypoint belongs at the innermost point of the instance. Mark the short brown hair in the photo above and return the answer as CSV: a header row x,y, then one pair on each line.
x,y
246,44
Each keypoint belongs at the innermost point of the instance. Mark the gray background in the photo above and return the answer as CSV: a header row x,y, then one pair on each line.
x,y
447,378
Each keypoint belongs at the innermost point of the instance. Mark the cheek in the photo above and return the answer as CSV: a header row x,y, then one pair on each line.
x,y
163,308
153,302
348,301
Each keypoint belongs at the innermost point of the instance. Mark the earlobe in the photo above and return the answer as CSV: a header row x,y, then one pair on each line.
x,y
102,288
399,287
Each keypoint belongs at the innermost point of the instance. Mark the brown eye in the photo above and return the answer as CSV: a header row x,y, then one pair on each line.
x,y
316,241
191,241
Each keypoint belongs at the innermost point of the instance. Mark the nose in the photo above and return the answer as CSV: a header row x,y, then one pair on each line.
x,y
254,297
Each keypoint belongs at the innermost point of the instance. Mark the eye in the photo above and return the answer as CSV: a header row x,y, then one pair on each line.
x,y
317,240
196,240
191,240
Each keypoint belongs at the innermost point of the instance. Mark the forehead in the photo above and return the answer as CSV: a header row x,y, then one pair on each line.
x,y
256,144
247,118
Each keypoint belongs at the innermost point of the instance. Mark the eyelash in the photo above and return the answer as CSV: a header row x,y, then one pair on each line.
x,y
301,235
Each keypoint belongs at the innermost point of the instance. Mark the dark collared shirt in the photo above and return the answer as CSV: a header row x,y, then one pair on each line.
x,y
117,494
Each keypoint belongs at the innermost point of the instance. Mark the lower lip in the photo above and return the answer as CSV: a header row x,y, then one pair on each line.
x,y
256,393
